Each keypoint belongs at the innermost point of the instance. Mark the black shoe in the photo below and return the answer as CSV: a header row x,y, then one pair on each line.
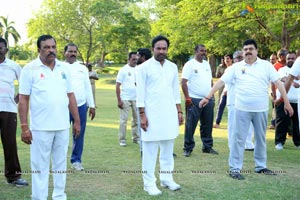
x,y
174,155
236,175
211,151
249,149
266,171
187,153
19,182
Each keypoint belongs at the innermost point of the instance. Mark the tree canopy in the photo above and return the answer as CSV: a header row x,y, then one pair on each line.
x,y
109,29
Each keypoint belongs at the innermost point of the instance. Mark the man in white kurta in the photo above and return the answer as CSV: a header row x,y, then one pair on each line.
x,y
158,100
252,77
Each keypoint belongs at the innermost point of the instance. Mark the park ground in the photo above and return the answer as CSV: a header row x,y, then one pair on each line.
x,y
114,172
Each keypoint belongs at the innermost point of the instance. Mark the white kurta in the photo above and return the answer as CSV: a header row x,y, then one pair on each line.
x,y
158,92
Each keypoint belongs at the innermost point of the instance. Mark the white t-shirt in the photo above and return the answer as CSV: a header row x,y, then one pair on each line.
x,y
126,77
48,91
293,92
81,84
10,71
295,71
251,84
199,78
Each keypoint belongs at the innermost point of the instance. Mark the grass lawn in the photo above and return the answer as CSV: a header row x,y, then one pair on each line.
x,y
113,172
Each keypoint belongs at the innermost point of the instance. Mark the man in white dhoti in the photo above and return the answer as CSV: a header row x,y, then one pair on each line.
x,y
158,100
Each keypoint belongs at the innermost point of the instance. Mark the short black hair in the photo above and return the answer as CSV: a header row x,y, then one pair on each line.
x,y
159,38
249,42
144,52
2,40
43,38
130,54
198,46
70,45
229,55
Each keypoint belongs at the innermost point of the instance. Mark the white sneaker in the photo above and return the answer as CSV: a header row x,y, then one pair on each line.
x,y
152,190
279,146
77,166
123,143
171,185
298,147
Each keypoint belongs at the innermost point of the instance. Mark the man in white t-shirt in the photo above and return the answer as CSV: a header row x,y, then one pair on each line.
x,y
84,98
10,71
294,74
45,86
283,121
251,77
196,84
126,97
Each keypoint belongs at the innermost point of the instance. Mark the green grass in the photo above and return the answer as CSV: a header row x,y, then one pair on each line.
x,y
201,176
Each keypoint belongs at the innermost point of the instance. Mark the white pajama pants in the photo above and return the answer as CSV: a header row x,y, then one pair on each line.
x,y
166,161
230,128
48,145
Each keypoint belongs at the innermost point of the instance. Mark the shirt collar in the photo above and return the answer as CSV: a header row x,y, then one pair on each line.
x,y
258,60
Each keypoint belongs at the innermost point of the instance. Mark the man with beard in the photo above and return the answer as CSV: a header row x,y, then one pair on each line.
x,y
196,84
158,102
282,119
45,84
84,98
10,71
251,105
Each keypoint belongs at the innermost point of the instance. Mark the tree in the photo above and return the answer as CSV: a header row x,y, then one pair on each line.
x,y
8,29
98,27
223,25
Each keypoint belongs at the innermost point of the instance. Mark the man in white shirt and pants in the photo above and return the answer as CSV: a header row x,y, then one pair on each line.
x,y
158,100
45,84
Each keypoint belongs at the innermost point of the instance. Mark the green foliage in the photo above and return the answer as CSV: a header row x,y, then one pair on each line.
x,y
222,25
7,29
97,27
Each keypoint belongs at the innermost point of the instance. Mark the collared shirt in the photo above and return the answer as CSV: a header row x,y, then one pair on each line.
x,y
251,84
81,84
293,92
126,77
10,71
48,91
158,92
199,78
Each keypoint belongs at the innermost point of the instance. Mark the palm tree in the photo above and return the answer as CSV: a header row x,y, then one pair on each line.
x,y
7,29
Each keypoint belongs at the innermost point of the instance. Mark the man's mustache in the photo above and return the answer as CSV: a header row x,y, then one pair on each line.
x,y
52,54
248,54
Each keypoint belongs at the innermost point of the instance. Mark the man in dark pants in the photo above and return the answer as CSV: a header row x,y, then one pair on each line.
x,y
282,119
10,71
196,84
